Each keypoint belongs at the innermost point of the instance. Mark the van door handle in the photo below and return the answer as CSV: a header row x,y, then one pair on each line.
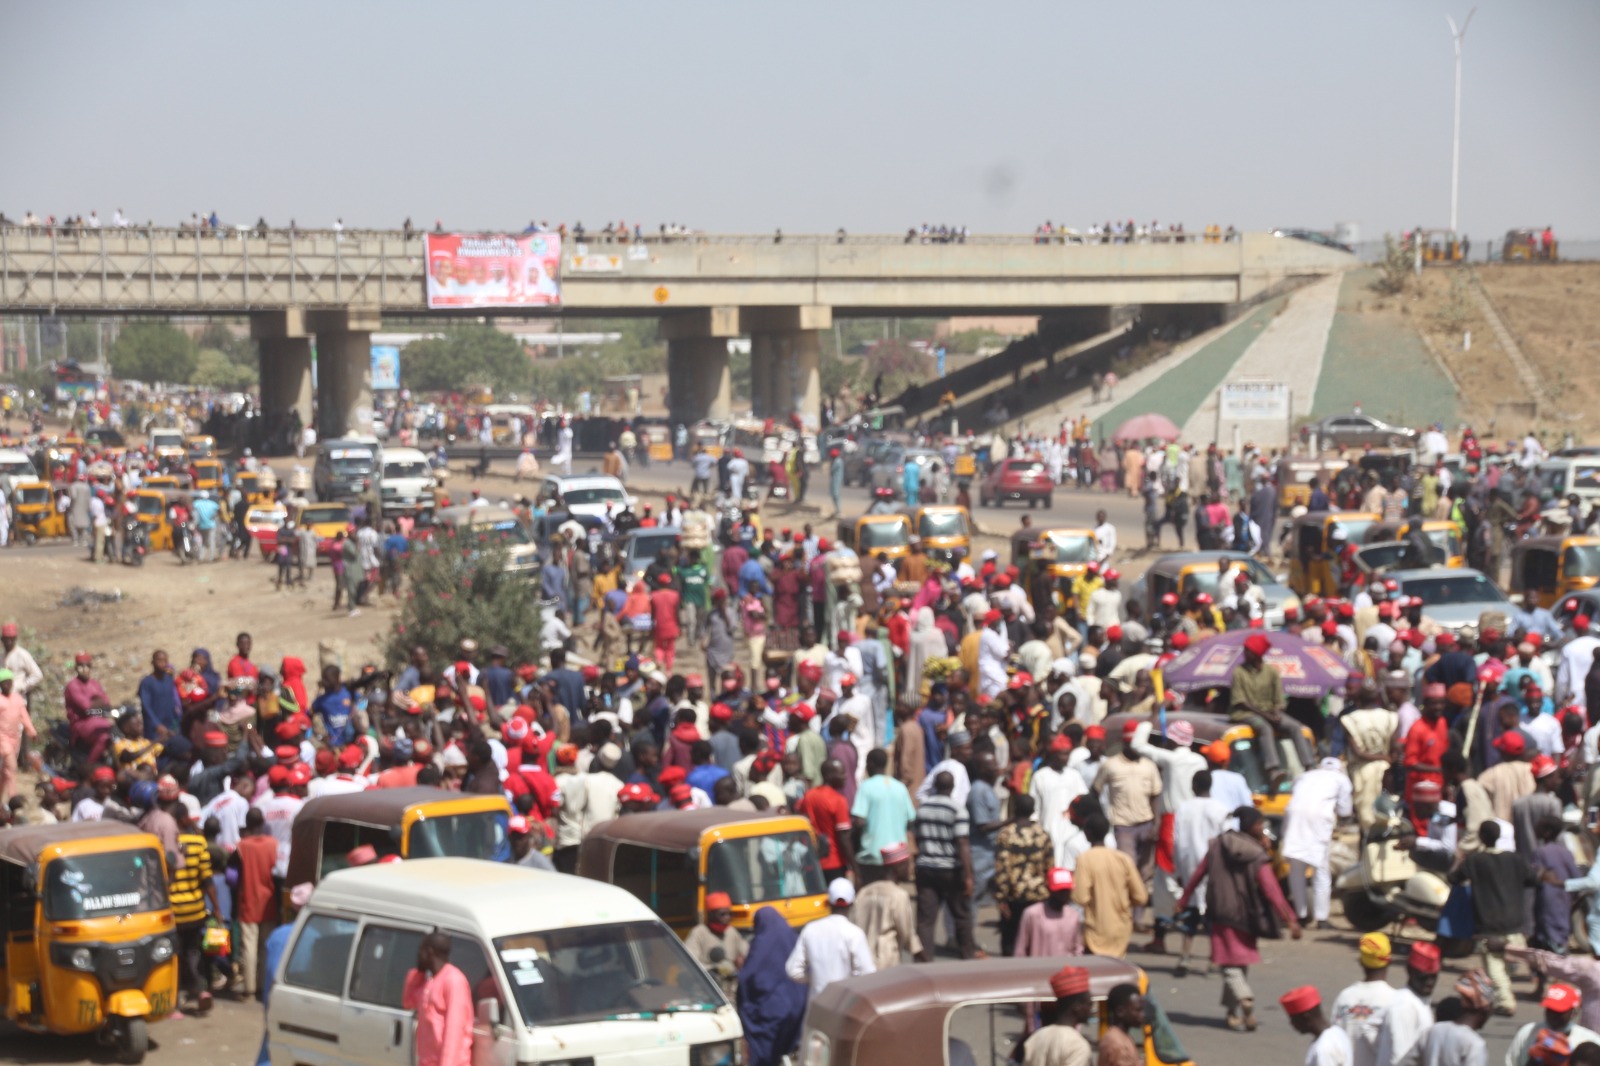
x,y
397,1032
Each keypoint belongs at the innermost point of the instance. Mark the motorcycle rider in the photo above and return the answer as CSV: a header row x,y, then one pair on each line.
x,y
882,501
1436,850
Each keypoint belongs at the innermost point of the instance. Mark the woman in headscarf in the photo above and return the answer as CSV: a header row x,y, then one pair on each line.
x,y
200,661
789,584
926,643
294,670
771,1006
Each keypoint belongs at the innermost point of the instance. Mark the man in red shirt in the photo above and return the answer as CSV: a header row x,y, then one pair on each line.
x,y
258,899
664,605
1422,753
829,812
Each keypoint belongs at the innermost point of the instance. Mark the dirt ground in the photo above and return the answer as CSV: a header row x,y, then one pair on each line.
x,y
1553,311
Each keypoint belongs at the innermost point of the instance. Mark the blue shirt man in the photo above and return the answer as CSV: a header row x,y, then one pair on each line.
x,y
206,511
706,776
1539,620
158,700
395,546
334,709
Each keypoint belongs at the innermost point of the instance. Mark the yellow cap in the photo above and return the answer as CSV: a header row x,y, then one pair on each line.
x,y
1375,950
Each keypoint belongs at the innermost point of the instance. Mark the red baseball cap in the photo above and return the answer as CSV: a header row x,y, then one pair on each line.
x,y
1562,998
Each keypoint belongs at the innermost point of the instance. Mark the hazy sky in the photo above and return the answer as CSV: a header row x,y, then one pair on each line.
x,y
874,115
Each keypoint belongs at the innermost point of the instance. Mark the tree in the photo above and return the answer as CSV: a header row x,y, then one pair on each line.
x,y
1394,273
214,370
465,355
239,350
459,588
154,352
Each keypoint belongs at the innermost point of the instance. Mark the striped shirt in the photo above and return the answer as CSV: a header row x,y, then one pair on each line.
x,y
940,823
187,896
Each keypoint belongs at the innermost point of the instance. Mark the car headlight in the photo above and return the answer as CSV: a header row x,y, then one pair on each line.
x,y
161,950
722,1053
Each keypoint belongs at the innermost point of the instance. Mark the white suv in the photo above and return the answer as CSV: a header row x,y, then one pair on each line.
x,y
586,494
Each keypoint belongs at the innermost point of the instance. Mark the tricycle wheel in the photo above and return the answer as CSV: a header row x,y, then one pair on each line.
x,y
30,538
132,1040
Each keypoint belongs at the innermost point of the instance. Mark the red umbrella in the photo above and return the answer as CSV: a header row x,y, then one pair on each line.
x,y
1144,427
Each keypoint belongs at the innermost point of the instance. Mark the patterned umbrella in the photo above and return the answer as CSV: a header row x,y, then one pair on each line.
x,y
1309,670
1144,427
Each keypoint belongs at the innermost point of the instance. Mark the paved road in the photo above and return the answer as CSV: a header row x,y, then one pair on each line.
x,y
1070,506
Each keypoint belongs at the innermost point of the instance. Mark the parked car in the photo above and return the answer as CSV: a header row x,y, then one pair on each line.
x,y
889,471
1453,598
1016,479
1355,430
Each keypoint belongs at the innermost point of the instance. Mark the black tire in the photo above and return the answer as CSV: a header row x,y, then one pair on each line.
x,y
30,538
1365,915
1049,502
999,502
132,1040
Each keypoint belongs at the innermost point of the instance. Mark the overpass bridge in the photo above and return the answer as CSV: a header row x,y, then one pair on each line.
x,y
705,289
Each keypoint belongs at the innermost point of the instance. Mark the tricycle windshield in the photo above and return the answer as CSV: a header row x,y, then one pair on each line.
x,y
884,535
104,885
1072,548
764,868
622,971
944,524
472,835
1582,560
151,506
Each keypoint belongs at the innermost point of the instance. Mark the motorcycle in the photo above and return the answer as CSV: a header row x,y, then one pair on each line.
x,y
1388,884
135,545
185,543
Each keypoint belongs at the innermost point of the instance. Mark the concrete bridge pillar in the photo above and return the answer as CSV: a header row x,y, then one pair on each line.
x,y
698,385
344,370
285,366
785,360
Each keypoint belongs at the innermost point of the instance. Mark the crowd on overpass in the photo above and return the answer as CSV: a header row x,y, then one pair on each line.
x,y
1131,232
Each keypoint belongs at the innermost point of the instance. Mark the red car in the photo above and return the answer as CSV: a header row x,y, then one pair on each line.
x,y
1016,479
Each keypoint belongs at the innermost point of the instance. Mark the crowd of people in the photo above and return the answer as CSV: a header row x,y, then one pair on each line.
x,y
942,726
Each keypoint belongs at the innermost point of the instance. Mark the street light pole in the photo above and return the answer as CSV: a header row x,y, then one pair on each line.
x,y
1455,145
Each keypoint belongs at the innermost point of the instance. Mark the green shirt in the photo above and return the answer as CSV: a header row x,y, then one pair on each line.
x,y
695,580
1261,688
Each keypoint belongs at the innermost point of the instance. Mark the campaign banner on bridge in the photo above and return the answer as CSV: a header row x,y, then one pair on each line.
x,y
493,270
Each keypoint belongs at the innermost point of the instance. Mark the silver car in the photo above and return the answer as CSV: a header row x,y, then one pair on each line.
x,y
1454,598
1355,430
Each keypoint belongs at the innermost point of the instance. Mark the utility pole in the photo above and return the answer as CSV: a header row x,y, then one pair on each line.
x,y
1455,146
